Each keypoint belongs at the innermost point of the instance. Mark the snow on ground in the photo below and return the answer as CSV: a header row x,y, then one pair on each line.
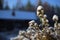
x,y
9,35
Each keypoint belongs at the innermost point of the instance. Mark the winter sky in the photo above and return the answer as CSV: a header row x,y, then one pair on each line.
x,y
12,3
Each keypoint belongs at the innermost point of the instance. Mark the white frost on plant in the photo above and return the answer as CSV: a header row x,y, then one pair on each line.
x,y
47,21
32,21
21,32
55,17
36,24
39,7
39,10
45,16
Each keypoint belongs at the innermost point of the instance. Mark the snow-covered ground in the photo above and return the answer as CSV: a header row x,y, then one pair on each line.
x,y
9,35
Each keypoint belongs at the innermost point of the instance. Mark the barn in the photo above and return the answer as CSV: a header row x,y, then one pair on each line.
x,y
15,19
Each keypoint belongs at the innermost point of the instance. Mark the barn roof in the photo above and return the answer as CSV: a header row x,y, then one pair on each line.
x,y
19,15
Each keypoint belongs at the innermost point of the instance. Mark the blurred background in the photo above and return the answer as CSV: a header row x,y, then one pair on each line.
x,y
15,14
